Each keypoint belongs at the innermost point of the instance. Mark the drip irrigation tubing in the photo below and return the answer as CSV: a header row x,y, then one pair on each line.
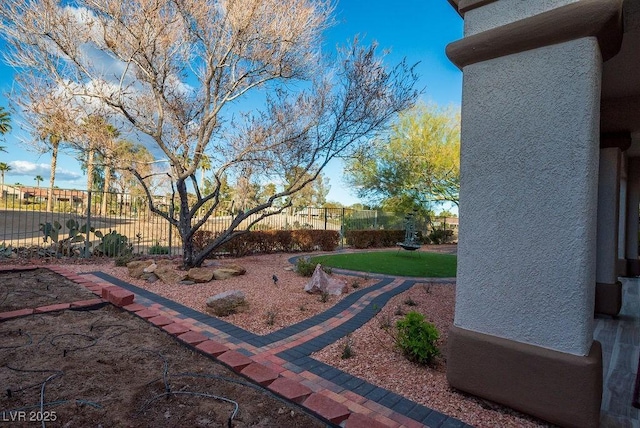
x,y
54,342
20,333
195,394
24,388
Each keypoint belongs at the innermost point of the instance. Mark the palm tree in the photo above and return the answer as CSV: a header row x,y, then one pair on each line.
x,y
5,121
3,168
100,138
38,179
5,125
205,165
51,131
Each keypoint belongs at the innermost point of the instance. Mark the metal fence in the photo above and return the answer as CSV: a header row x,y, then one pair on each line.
x,y
27,214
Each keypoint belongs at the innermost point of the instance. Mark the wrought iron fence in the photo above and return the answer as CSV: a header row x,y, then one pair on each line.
x,y
38,218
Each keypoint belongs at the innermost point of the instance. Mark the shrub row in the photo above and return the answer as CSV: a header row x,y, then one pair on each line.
x,y
272,241
375,238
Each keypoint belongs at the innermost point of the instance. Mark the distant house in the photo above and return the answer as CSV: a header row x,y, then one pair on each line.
x,y
40,194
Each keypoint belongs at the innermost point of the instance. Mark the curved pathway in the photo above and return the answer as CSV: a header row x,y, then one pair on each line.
x,y
281,361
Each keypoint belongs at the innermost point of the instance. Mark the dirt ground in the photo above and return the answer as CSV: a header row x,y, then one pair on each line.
x,y
105,367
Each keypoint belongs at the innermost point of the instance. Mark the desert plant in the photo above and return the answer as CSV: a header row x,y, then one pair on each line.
x,y
410,302
114,244
355,284
157,249
347,350
271,317
123,260
305,267
417,338
440,236
77,234
385,321
324,297
5,250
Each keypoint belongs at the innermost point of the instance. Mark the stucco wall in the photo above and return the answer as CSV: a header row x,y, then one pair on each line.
x,y
529,174
506,11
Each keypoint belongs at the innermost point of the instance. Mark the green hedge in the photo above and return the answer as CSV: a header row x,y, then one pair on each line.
x,y
272,241
375,238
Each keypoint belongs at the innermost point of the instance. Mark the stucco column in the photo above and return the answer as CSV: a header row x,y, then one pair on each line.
x,y
525,292
608,299
633,201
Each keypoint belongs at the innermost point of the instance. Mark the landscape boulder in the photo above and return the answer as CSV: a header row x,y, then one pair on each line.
x,y
200,274
169,274
226,303
137,268
151,268
228,271
322,283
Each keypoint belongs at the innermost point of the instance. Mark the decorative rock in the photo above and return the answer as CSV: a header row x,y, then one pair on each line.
x,y
321,283
226,303
151,278
169,275
151,268
200,274
228,271
187,282
236,268
137,267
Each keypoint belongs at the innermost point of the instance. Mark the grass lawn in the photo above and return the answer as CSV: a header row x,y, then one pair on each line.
x,y
402,263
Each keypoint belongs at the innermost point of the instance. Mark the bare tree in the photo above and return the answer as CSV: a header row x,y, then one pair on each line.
x,y
176,72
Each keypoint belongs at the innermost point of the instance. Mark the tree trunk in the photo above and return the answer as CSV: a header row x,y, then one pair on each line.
x,y
52,179
90,167
184,226
105,190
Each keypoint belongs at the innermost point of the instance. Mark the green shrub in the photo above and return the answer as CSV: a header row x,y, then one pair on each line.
x,y
375,238
157,249
440,236
305,267
124,259
417,338
271,241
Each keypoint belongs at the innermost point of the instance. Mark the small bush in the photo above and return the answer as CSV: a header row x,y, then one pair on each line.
x,y
158,249
271,317
305,267
347,350
324,297
440,236
410,302
417,338
385,321
124,259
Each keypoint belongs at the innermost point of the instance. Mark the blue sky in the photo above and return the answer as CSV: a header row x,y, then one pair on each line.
x,y
416,29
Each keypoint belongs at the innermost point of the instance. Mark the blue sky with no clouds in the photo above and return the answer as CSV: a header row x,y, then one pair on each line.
x,y
416,29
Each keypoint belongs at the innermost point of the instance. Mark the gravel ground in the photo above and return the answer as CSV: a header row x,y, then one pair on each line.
x,y
375,359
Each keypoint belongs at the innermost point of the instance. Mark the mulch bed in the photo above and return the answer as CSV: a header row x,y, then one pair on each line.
x,y
101,366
